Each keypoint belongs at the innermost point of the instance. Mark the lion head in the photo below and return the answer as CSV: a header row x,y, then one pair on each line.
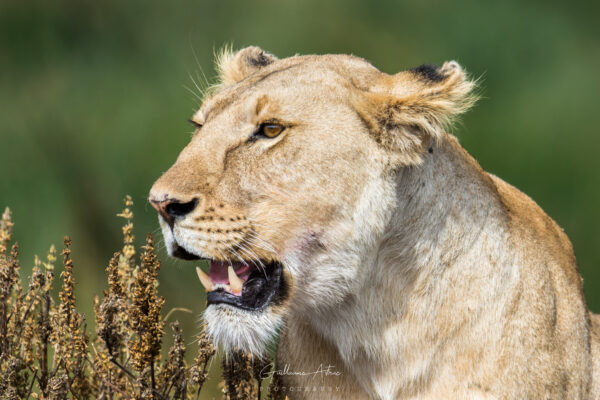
x,y
288,182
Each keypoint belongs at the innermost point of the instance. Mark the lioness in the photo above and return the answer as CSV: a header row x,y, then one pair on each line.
x,y
337,212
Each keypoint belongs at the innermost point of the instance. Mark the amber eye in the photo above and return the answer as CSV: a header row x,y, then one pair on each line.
x,y
271,130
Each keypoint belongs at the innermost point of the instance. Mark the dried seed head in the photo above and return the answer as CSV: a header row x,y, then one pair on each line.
x,y
51,259
67,296
206,350
5,230
238,377
173,371
58,387
144,313
128,236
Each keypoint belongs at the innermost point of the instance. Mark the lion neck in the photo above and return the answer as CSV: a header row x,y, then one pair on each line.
x,y
387,333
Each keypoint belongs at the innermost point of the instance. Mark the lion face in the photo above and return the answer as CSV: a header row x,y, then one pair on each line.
x,y
288,184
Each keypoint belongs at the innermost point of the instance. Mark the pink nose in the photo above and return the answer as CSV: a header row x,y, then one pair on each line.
x,y
172,208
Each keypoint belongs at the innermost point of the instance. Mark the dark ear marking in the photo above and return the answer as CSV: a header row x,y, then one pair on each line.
x,y
234,67
410,110
430,72
259,60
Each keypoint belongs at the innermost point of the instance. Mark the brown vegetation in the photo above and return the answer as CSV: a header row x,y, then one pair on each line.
x,y
46,351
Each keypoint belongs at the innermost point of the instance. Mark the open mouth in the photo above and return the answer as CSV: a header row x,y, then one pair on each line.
x,y
247,285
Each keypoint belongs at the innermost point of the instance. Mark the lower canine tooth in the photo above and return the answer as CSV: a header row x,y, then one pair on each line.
x,y
205,279
234,281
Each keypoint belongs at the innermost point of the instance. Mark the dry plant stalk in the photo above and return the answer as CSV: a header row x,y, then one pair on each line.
x,y
46,352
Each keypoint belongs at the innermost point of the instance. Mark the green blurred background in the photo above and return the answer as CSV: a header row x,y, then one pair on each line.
x,y
93,106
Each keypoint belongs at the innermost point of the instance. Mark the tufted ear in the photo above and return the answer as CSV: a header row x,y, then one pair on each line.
x,y
408,110
233,67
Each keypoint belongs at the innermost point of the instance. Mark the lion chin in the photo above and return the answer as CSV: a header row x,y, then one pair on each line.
x,y
233,329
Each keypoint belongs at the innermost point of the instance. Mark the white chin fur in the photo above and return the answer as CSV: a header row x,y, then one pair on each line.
x,y
232,329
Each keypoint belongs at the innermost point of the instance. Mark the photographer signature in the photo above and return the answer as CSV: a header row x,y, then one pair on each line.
x,y
329,370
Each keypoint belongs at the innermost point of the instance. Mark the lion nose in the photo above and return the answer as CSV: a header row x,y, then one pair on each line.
x,y
172,208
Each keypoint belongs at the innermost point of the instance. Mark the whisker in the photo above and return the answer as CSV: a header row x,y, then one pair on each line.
x,y
205,79
200,91
253,257
244,250
254,243
192,92
223,255
260,241
237,255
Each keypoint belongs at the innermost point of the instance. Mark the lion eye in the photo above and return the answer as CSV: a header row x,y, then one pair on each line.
x,y
271,130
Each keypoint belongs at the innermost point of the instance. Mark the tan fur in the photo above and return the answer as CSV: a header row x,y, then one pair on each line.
x,y
414,274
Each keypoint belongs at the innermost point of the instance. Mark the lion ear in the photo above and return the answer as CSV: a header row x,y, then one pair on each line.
x,y
408,110
233,67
